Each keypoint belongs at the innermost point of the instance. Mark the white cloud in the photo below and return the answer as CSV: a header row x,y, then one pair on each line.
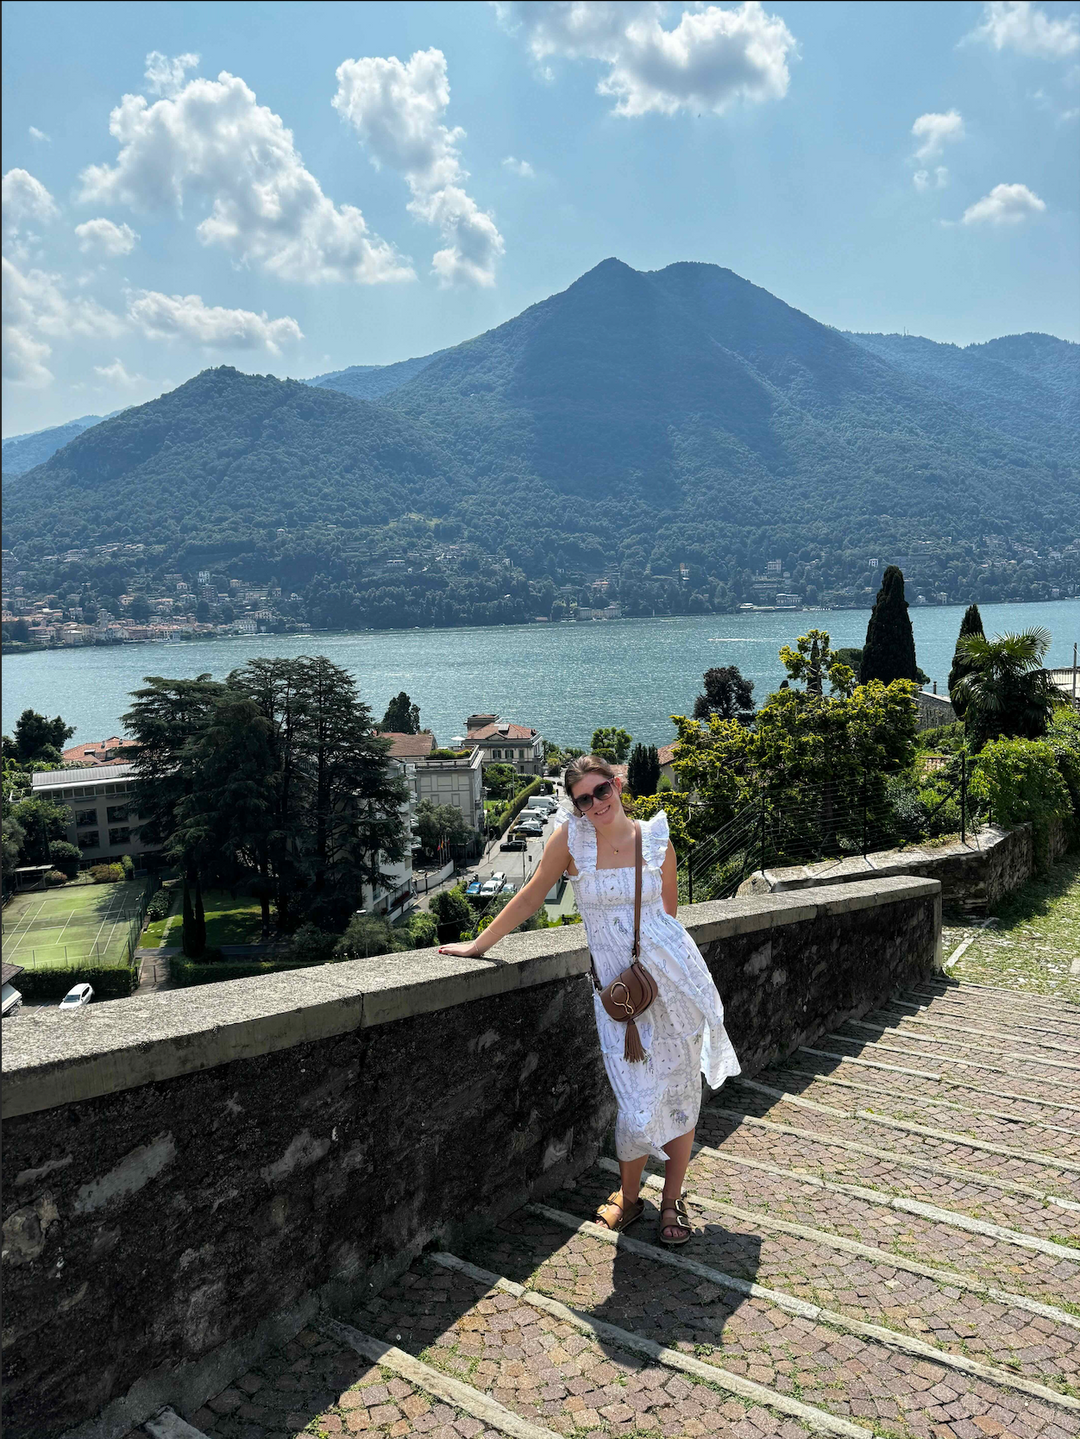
x,y
934,132
36,134
1019,25
35,306
186,317
165,76
397,111
1005,205
712,58
106,238
25,198
213,142
116,376
521,168
923,180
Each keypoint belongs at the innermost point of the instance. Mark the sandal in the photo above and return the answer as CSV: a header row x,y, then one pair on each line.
x,y
682,1220
613,1216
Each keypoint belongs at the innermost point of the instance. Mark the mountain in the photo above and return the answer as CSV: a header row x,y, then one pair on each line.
x,y
23,452
635,423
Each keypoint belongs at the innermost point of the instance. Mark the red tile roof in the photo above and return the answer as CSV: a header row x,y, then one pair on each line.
x,y
409,746
666,753
498,731
96,752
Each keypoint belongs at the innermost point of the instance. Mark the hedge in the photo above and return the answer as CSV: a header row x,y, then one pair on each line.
x,y
518,803
108,981
187,972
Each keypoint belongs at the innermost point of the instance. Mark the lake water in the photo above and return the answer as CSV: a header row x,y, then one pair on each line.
x,y
566,679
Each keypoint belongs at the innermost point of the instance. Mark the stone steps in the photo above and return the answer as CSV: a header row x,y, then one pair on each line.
x,y
1060,1076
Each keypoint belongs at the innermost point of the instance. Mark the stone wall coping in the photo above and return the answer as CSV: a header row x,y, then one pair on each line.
x,y
50,1059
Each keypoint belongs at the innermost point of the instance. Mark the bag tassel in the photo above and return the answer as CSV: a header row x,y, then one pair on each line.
x,y
632,1050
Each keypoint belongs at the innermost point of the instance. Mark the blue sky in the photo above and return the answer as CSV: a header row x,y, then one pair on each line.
x,y
295,188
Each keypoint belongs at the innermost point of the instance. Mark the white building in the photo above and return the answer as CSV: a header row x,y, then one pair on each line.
x,y
103,822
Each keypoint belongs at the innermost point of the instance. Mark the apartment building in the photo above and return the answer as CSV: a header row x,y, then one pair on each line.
x,y
103,822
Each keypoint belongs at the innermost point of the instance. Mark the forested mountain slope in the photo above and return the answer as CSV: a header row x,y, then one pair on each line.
x,y
371,382
23,452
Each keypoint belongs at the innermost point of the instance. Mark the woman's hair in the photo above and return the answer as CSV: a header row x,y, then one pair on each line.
x,y
577,769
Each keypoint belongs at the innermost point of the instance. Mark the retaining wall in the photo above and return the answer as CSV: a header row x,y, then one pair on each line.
x,y
190,1174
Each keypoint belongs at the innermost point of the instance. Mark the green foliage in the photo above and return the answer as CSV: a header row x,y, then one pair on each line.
x,y
971,624
184,972
889,651
127,864
56,876
1006,692
423,931
501,781
14,839
65,856
942,739
107,873
450,907
441,824
812,659
643,773
1063,737
367,935
311,945
612,744
506,816
41,823
1021,782
53,982
402,716
158,907
37,738
726,694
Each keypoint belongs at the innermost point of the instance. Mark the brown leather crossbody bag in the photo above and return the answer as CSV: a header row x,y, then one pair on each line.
x,y
632,991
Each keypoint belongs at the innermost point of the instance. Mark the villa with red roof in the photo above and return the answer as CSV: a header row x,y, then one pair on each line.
x,y
501,742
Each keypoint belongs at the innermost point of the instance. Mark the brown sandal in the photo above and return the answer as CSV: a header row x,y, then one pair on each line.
x,y
682,1221
621,1219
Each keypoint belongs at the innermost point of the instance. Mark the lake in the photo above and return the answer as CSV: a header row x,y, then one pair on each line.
x,y
566,679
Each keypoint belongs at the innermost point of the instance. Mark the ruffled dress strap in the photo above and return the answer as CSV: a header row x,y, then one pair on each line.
x,y
580,839
655,838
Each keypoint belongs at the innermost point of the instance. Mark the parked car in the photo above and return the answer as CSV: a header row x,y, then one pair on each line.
x,y
531,827
497,874
77,996
514,842
473,890
546,802
491,888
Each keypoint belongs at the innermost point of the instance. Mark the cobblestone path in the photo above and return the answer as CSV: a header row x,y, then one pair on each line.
x,y
887,1244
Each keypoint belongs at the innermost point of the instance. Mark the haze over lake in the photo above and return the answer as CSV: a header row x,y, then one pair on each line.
x,y
564,678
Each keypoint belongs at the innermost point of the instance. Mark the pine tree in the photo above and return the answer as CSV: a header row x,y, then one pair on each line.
x,y
643,773
726,694
402,716
188,933
200,921
971,624
889,652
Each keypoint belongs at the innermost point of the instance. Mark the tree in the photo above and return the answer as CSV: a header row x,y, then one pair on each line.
x,y
1006,692
14,836
814,659
643,775
971,624
612,744
41,822
139,609
38,738
501,781
65,856
441,824
727,694
402,716
367,934
202,612
889,652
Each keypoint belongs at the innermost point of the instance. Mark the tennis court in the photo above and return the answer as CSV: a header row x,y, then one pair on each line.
x,y
96,923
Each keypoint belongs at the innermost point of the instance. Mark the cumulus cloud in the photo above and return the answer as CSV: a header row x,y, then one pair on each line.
x,y
521,168
36,134
711,59
116,376
1021,26
923,180
1005,205
165,76
35,306
186,317
211,141
397,109
934,132
25,198
105,238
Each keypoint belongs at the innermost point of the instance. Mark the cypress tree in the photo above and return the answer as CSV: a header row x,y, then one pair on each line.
x,y
188,940
971,624
643,774
889,652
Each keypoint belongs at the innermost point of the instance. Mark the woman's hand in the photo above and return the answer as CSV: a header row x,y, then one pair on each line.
x,y
468,950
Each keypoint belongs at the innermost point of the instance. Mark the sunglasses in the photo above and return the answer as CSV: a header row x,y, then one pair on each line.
x,y
586,801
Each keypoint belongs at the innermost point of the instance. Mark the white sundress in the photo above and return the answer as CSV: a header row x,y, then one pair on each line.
x,y
682,1032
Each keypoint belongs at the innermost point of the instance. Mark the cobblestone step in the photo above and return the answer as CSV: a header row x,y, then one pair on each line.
x,y
829,1361
573,1373
1019,1123
1040,1039
1006,1021
1034,1059
941,1306
937,1061
992,1000
1041,1173
965,1191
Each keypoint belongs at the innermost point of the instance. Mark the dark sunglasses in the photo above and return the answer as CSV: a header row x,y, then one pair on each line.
x,y
586,801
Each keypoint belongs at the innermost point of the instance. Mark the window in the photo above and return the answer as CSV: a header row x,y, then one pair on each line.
x,y
88,839
118,813
86,816
119,836
496,754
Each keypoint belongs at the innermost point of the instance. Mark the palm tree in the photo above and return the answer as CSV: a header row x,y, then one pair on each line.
x,y
1007,692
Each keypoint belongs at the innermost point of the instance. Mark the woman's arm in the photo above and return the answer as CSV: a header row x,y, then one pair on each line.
x,y
669,876
525,903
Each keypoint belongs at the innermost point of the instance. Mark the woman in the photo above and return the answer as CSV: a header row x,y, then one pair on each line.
x,y
682,1032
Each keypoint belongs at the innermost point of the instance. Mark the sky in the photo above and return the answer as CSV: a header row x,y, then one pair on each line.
x,y
294,188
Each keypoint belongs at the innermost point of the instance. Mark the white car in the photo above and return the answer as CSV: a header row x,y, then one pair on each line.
x,y
77,996
490,888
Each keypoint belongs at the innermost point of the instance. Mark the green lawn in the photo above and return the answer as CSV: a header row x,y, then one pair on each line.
x,y
1034,943
229,920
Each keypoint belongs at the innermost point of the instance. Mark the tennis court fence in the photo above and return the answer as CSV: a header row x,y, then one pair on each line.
x,y
117,948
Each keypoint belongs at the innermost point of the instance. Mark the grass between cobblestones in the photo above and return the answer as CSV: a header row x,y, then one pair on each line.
x,y
1034,944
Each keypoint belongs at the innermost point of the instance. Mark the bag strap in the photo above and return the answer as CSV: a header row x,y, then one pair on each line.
x,y
636,951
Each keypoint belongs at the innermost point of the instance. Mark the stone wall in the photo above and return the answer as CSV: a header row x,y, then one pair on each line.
x,y
190,1174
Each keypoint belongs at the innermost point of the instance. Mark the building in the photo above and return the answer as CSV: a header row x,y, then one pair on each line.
x,y
501,742
12,999
443,779
933,710
396,895
103,823
95,753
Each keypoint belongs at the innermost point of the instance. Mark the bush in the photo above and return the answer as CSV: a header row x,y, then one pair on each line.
x,y
423,931
107,873
367,935
185,973
1021,782
158,908
56,876
112,982
311,945
65,857
127,864
518,803
452,912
